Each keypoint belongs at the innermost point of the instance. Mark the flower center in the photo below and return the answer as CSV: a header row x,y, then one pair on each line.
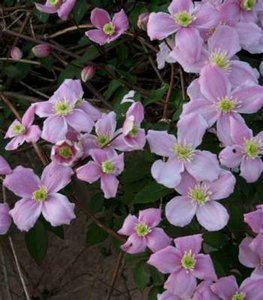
x,y
54,3
183,152
103,140
239,296
199,194
183,18
41,194
188,261
253,148
219,57
227,105
65,152
142,229
78,103
133,133
107,167
63,108
248,4
109,28
19,128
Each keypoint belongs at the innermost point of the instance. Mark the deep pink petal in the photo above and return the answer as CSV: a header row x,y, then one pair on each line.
x,y
225,287
25,213
99,17
120,21
66,8
180,211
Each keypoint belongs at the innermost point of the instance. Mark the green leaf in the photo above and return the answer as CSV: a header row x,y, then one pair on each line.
x,y
157,95
113,86
151,193
95,234
141,278
37,242
80,10
157,277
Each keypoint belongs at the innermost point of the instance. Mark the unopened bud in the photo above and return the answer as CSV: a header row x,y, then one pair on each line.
x,y
143,20
87,73
16,53
41,50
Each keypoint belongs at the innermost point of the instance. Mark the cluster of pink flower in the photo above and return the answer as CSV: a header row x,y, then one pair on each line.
x,y
208,36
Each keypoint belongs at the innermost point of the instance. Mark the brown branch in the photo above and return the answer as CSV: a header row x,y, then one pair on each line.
x,y
168,96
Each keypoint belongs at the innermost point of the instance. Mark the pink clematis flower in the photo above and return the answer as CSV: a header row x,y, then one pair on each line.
x,y
66,110
5,169
106,166
143,233
5,218
245,151
213,97
40,196
107,30
185,263
61,7
182,154
163,56
199,198
183,17
221,48
66,152
226,288
105,135
133,136
250,254
255,219
23,131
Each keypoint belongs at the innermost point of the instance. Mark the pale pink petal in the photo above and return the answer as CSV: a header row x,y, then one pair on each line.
x,y
65,9
33,134
5,218
80,121
128,226
187,181
90,172
99,17
231,156
157,240
239,131
247,256
255,220
136,110
161,142
252,288
204,268
150,217
106,125
15,142
225,287
45,8
4,167
90,110
160,26
180,211
55,129
25,213
240,72
29,115
167,260
222,187
22,181
206,17
55,177
251,169
57,210
134,244
167,173
44,109
120,22
179,6
191,242
181,283
256,246
97,36
109,184
212,216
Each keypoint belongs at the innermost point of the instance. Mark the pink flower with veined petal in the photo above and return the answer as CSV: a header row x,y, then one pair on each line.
x,y
250,254
66,110
213,97
245,151
107,30
5,218
185,263
143,233
199,198
62,7
5,169
226,288
23,131
40,196
183,16
182,153
133,136
106,166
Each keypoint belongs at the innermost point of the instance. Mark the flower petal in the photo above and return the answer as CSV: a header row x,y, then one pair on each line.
x,y
55,129
99,17
157,240
222,187
191,242
247,256
161,143
80,121
89,172
251,169
128,225
150,217
204,268
109,184
5,218
134,244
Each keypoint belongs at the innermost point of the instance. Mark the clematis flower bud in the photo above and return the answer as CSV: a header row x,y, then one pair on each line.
x,y
41,50
87,73
16,53
143,20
